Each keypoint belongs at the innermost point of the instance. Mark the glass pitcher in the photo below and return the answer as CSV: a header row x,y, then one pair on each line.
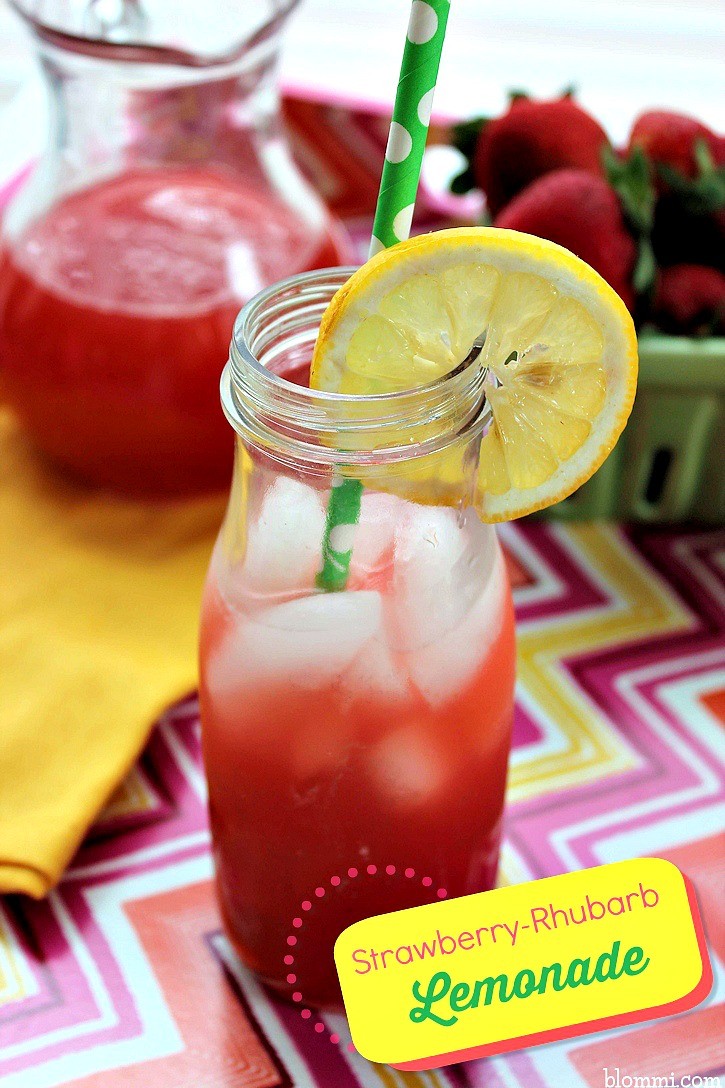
x,y
355,742
166,199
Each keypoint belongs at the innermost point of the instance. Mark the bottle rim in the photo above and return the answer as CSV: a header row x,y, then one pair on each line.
x,y
334,428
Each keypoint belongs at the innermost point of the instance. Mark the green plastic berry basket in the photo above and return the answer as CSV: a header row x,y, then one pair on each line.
x,y
669,464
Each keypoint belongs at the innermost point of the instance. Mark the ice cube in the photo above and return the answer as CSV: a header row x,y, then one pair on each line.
x,y
284,542
305,643
441,564
408,766
375,532
441,669
376,674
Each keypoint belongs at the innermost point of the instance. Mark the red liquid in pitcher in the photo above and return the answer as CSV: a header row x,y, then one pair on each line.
x,y
116,312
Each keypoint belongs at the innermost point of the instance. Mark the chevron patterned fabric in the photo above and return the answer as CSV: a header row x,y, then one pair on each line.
x,y
122,977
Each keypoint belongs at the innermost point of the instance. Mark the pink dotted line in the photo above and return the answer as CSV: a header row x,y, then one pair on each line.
x,y
297,923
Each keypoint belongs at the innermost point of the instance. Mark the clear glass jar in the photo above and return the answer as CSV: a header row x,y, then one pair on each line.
x,y
166,198
363,728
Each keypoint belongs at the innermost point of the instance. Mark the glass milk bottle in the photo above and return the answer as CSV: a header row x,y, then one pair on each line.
x,y
356,742
166,198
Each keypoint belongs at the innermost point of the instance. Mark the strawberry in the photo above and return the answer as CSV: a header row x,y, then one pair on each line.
x,y
532,139
690,300
670,141
684,161
578,210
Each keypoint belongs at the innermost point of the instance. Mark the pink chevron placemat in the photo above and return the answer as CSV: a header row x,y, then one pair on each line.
x,y
122,977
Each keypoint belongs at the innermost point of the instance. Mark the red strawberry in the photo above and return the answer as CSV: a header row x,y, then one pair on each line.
x,y
690,300
532,139
580,212
686,165
670,139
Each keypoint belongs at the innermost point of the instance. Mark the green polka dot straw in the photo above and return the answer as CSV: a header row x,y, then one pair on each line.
x,y
393,217
409,127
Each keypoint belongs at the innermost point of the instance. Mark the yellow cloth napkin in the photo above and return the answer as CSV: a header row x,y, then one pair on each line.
x,y
99,606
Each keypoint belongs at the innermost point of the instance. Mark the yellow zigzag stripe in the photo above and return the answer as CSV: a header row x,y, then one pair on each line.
x,y
12,987
648,609
129,797
392,1078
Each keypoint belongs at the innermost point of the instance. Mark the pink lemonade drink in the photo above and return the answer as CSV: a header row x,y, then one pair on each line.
x,y
115,313
356,742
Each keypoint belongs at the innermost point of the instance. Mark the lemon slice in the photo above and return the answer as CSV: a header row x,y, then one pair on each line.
x,y
560,348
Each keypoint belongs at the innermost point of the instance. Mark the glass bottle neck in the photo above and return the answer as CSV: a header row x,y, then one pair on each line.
x,y
275,334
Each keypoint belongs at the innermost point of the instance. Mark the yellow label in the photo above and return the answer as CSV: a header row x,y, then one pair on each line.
x,y
523,964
